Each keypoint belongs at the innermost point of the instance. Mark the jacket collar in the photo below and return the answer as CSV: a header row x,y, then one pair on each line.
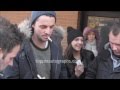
x,y
116,60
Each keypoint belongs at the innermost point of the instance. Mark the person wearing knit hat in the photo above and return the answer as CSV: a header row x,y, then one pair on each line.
x,y
36,14
76,55
72,34
91,37
40,54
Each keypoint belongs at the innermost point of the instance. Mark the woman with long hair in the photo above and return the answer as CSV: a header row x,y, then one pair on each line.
x,y
78,57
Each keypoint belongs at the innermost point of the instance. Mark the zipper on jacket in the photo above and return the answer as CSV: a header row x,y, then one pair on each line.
x,y
34,77
57,62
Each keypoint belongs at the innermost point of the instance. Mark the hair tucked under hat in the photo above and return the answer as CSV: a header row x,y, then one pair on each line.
x,y
36,14
72,34
87,30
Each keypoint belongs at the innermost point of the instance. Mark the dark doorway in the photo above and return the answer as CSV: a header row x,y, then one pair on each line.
x,y
101,21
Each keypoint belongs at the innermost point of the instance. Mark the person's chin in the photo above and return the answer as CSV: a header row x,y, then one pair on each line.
x,y
3,68
117,54
77,49
45,39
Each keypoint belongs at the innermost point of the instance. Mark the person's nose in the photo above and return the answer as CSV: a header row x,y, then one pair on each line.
x,y
48,30
11,62
80,42
114,48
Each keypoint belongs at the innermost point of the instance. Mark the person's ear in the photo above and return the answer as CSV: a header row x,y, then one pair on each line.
x,y
33,26
1,53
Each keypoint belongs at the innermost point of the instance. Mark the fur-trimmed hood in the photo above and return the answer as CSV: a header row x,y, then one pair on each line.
x,y
107,46
58,32
25,28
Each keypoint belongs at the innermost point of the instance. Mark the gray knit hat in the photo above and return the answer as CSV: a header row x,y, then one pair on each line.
x,y
36,14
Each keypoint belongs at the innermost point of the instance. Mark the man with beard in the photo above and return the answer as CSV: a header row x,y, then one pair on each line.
x,y
107,63
39,55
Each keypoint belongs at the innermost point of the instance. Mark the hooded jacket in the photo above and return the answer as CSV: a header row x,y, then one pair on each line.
x,y
24,66
102,67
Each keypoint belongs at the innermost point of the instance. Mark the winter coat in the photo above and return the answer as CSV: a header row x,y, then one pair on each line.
x,y
87,58
92,47
102,67
24,66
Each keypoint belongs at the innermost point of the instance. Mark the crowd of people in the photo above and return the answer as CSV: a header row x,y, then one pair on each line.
x,y
33,50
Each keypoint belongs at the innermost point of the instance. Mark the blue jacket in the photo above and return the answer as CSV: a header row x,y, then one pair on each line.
x,y
24,66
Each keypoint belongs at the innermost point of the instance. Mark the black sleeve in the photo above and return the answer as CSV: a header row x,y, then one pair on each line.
x,y
82,76
63,73
91,57
92,69
71,72
70,69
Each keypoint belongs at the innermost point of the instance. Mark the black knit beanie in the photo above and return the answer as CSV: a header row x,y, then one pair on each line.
x,y
36,14
72,34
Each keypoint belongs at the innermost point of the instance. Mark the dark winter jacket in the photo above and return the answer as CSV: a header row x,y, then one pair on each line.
x,y
87,58
102,67
24,66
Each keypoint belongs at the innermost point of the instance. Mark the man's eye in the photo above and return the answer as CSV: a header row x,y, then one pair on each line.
x,y
76,39
12,58
43,27
51,27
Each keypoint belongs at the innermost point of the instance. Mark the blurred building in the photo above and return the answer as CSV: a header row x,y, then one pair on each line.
x,y
76,19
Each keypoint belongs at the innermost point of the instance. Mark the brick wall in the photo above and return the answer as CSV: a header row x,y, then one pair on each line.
x,y
64,19
15,16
